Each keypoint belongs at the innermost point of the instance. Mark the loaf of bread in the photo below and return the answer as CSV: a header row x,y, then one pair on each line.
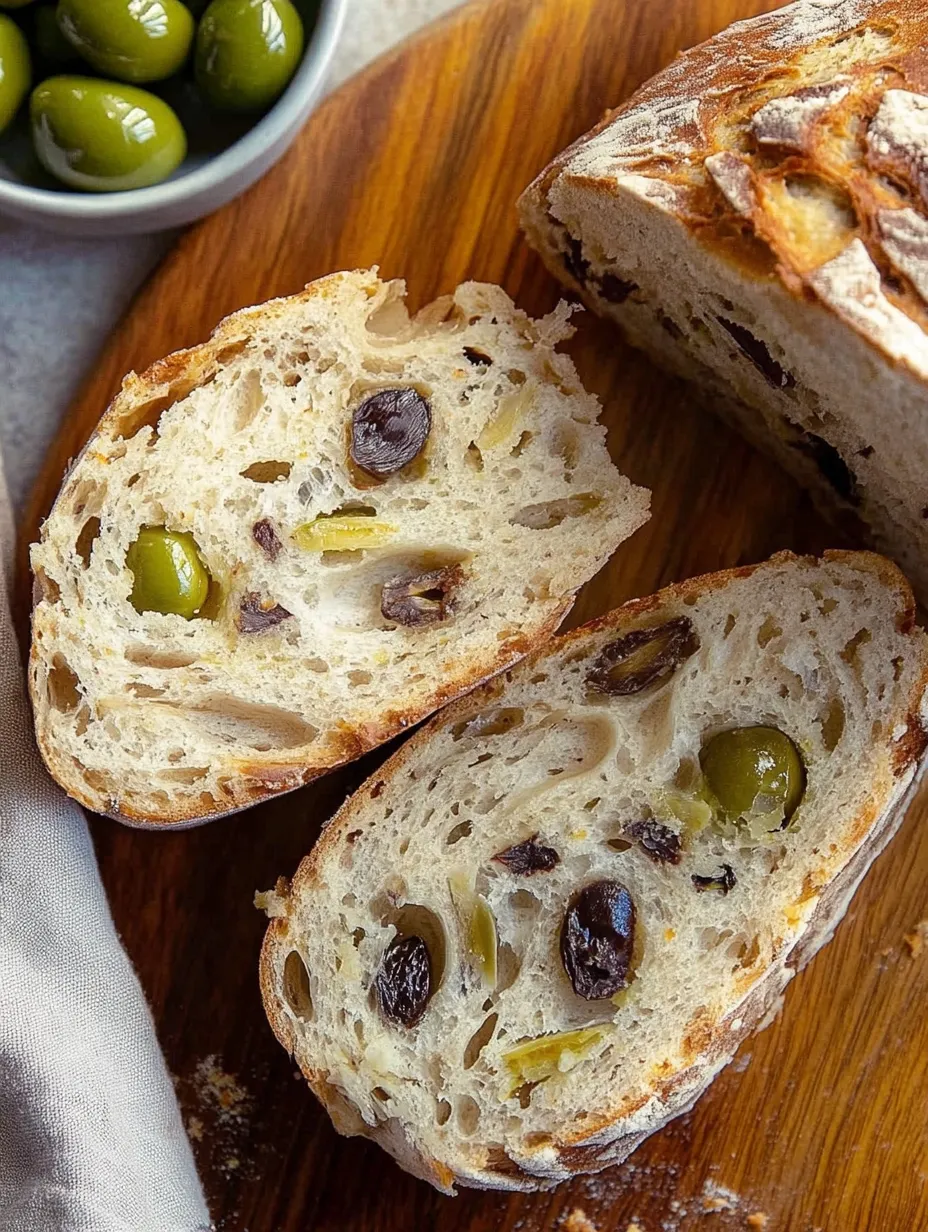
x,y
286,545
756,218
546,923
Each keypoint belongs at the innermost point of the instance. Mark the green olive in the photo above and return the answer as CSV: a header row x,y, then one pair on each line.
x,y
132,40
50,43
104,137
247,51
754,770
15,69
169,575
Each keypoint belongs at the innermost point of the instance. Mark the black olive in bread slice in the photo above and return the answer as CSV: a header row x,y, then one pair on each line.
x,y
288,544
543,927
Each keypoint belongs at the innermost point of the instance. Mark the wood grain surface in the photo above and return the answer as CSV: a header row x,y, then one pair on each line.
x,y
416,165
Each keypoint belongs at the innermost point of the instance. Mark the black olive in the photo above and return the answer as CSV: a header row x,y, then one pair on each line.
x,y
722,881
423,600
659,842
529,857
404,981
389,430
638,659
266,537
255,616
597,940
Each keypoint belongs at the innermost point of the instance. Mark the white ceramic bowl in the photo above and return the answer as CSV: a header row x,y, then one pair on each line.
x,y
201,184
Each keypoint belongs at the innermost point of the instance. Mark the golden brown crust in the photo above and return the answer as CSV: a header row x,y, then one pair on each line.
x,y
727,79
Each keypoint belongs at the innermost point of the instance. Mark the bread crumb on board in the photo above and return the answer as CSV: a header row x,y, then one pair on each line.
x,y
916,939
758,1221
577,1221
717,1198
222,1090
273,902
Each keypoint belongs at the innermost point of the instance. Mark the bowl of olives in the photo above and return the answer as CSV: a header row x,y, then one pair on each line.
x,y
126,116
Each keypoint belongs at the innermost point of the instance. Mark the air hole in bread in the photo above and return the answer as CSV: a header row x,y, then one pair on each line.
x,y
548,514
831,465
247,399
523,901
712,938
745,951
86,539
494,722
759,355
45,588
619,844
479,1040
81,721
358,678
849,652
186,774
162,660
730,622
508,966
381,1095
769,630
138,689
62,686
267,472
522,444
292,379
296,988
467,1113
480,359
832,723
463,830
473,457
442,1112
351,556
389,320
246,725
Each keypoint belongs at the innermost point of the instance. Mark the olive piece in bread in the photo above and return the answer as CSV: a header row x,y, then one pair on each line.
x,y
168,574
643,657
755,773
404,981
598,940
389,430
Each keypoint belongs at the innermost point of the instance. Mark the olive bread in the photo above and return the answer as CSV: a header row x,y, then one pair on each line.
x,y
539,931
756,218
285,546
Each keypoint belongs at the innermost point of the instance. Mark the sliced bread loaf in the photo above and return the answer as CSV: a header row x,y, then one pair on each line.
x,y
756,218
543,927
286,545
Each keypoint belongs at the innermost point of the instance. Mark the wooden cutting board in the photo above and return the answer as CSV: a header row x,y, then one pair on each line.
x,y
416,165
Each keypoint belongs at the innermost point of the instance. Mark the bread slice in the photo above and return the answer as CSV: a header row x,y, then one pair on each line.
x,y
600,787
314,646
756,218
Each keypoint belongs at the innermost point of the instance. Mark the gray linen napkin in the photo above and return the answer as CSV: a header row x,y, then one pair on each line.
x,y
91,1138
